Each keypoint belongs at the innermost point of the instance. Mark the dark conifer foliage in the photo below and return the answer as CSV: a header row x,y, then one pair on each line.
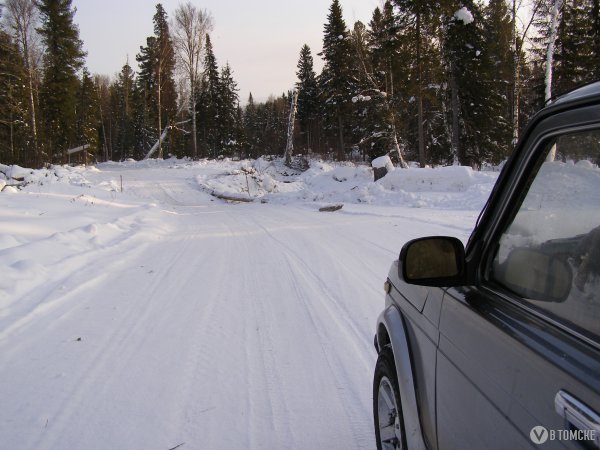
x,y
14,136
308,100
228,128
62,60
87,117
208,103
577,53
337,83
428,82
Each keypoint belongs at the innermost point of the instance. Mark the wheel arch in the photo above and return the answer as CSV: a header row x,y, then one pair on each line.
x,y
391,330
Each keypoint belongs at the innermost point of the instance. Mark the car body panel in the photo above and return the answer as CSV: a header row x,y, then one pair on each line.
x,y
486,367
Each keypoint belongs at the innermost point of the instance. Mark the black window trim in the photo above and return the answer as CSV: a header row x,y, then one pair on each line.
x,y
508,208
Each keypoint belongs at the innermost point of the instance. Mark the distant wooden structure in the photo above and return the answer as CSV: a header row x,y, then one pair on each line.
x,y
75,150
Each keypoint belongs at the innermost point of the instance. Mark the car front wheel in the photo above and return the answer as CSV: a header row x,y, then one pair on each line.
x,y
387,409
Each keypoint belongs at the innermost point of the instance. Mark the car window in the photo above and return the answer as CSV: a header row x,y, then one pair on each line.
x,y
549,255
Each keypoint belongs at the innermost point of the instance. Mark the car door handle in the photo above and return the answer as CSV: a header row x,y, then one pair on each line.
x,y
577,415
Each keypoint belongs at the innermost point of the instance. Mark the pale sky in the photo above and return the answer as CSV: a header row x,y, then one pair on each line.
x,y
261,39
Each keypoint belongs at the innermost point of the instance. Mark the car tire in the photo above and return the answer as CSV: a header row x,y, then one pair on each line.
x,y
387,408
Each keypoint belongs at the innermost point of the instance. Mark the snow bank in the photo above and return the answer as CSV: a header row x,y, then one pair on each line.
x,y
326,182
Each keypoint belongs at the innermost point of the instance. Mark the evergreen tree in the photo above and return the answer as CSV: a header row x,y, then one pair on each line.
x,y
497,54
577,54
13,131
228,125
86,124
272,121
385,44
21,18
337,84
470,105
164,66
308,98
124,113
418,79
250,119
417,22
62,59
390,56
146,101
208,101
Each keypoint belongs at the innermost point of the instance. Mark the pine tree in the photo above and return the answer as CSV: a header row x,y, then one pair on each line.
x,y
62,59
308,97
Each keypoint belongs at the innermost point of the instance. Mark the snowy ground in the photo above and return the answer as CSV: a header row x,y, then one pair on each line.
x,y
161,315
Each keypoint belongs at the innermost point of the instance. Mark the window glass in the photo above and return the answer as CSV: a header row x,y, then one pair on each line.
x,y
550,254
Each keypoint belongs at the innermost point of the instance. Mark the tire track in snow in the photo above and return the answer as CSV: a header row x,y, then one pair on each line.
x,y
108,362
337,311
330,311
279,409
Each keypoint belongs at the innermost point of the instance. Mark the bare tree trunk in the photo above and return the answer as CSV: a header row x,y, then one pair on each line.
x,y
392,121
387,103
550,62
193,111
341,152
421,131
455,136
289,148
22,17
516,75
550,50
160,149
190,27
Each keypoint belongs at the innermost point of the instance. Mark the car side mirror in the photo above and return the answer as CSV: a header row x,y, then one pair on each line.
x,y
433,261
533,274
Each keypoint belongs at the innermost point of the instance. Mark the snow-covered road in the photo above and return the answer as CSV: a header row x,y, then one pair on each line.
x,y
162,316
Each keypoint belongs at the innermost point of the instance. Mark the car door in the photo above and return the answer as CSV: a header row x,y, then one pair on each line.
x,y
518,361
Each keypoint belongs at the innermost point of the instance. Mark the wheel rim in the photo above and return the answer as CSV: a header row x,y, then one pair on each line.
x,y
390,431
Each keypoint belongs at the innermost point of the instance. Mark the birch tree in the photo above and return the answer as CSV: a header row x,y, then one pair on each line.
x,y
520,28
550,49
22,17
190,27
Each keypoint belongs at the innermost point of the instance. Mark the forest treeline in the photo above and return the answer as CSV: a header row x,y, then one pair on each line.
x,y
435,82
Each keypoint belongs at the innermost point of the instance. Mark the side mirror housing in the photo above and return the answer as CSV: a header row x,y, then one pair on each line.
x,y
433,261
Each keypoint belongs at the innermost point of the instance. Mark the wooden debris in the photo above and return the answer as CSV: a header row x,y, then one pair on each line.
x,y
330,208
231,198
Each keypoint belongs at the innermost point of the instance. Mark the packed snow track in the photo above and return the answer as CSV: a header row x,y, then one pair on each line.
x,y
162,316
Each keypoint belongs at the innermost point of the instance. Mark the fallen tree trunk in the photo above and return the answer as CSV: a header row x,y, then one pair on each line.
x,y
231,198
